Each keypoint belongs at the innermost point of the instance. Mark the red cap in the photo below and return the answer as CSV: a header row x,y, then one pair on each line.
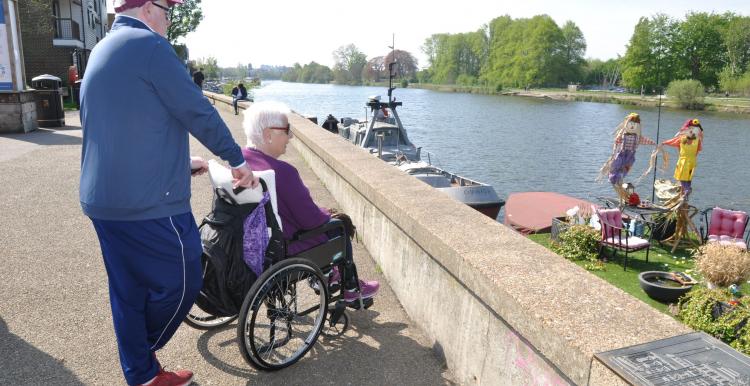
x,y
122,5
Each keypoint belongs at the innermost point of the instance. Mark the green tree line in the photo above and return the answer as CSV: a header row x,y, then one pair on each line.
x,y
508,52
352,67
309,73
713,49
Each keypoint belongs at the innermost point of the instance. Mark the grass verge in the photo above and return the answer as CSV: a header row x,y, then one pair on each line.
x,y
659,259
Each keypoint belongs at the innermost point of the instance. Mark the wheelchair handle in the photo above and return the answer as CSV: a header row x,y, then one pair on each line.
x,y
241,189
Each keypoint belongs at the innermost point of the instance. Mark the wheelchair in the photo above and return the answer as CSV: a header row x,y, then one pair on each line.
x,y
291,303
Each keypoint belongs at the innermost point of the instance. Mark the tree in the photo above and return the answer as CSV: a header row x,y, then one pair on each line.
x,y
701,48
349,64
736,38
650,60
31,14
406,67
601,73
239,72
184,18
309,73
573,49
293,75
374,70
429,48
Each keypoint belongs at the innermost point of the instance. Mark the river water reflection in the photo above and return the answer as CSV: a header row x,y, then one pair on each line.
x,y
525,144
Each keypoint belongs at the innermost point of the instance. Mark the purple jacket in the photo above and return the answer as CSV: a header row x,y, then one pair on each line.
x,y
296,207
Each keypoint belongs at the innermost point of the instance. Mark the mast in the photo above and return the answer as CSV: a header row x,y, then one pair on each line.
x,y
391,88
390,68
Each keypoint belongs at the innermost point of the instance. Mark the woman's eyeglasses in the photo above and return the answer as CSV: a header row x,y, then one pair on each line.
x,y
286,129
167,11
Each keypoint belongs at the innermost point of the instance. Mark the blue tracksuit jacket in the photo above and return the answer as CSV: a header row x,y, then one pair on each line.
x,y
138,105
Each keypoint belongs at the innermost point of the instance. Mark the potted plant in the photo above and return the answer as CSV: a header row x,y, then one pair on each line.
x,y
664,225
577,215
559,226
722,265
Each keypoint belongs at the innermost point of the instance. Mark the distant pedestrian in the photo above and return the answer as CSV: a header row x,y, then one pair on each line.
x,y
239,93
198,78
135,182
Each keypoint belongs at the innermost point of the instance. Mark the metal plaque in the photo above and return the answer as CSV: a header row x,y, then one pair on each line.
x,y
687,360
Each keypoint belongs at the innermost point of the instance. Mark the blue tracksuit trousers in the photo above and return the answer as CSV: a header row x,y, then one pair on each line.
x,y
154,275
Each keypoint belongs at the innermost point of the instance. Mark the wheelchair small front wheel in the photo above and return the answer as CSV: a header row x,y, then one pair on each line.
x,y
338,329
283,314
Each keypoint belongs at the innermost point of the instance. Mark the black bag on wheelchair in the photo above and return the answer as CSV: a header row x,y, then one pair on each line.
x,y
226,276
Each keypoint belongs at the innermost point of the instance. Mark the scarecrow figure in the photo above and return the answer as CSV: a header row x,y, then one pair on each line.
x,y
627,138
689,140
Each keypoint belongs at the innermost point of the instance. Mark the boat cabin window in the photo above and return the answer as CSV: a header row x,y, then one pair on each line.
x,y
390,137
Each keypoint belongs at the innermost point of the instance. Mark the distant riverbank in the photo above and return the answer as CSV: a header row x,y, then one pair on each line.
x,y
731,105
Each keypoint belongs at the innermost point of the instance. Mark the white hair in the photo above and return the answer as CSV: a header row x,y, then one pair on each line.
x,y
263,115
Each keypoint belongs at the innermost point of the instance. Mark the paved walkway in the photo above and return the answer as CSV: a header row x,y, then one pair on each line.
x,y
55,322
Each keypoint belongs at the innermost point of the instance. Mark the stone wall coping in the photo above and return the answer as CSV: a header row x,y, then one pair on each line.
x,y
563,311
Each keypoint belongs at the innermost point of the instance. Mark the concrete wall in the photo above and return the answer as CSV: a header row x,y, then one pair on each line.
x,y
17,112
499,308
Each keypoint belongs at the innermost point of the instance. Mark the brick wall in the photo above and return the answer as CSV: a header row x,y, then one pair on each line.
x,y
40,56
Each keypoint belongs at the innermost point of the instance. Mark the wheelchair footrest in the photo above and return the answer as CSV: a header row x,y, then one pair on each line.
x,y
367,303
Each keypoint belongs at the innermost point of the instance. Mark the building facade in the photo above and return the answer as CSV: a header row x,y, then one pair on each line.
x,y
57,34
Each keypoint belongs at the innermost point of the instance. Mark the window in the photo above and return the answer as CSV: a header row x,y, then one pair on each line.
x,y
390,137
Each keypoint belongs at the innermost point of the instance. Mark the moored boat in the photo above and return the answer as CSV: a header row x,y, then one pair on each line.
x,y
384,135
477,195
532,212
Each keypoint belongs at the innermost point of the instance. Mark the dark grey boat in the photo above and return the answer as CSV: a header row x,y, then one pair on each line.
x,y
384,135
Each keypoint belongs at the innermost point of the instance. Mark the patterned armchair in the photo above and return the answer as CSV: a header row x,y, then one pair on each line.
x,y
724,226
615,236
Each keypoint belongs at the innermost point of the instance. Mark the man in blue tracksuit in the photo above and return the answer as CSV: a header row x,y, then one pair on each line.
x,y
138,105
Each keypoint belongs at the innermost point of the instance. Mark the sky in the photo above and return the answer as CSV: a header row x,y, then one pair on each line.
x,y
283,32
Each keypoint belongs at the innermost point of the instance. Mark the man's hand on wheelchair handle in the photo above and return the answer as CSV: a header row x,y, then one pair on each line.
x,y
244,177
198,166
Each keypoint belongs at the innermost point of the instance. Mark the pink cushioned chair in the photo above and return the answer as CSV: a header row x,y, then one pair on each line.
x,y
616,236
726,227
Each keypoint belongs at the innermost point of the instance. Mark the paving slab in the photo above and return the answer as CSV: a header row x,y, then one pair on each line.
x,y
55,321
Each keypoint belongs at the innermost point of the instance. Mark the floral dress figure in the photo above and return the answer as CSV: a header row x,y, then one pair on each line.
x,y
627,138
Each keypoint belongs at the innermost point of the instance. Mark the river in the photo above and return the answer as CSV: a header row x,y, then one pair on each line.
x,y
521,144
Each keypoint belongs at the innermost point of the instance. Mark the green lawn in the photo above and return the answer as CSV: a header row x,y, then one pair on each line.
x,y
660,259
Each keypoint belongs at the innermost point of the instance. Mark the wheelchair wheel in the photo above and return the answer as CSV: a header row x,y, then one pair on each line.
x,y
201,320
283,314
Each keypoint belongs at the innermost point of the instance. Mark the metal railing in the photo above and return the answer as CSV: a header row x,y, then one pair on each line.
x,y
66,29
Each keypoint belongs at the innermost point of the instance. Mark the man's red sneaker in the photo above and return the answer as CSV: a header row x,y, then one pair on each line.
x,y
172,378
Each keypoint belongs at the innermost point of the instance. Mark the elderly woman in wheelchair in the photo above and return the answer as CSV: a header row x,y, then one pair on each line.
x,y
300,285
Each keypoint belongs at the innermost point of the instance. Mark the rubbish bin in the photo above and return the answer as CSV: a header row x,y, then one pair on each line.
x,y
49,104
